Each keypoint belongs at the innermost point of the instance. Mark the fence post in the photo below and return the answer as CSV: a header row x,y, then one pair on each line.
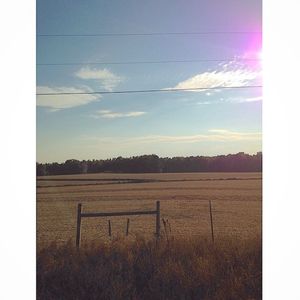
x,y
78,225
157,219
211,222
127,227
109,228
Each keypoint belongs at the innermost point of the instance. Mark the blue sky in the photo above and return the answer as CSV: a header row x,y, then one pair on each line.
x,y
207,122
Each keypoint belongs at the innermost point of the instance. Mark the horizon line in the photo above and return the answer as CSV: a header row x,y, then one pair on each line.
x,y
153,154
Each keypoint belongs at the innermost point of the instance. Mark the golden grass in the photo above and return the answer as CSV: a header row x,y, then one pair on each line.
x,y
144,269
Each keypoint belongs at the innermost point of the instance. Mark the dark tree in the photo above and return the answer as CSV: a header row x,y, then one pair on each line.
x,y
240,162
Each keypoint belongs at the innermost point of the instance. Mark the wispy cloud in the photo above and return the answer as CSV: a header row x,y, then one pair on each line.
x,y
252,99
225,75
108,114
105,77
58,102
204,102
240,99
213,135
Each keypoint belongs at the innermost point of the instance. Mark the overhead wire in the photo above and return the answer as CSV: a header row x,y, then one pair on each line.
x,y
146,33
149,90
146,62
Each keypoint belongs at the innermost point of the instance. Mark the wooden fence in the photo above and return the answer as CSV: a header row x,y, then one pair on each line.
x,y
81,214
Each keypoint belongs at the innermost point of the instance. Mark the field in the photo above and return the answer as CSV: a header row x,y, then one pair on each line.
x,y
236,204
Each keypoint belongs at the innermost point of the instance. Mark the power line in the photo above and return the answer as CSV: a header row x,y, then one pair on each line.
x,y
145,62
148,34
148,91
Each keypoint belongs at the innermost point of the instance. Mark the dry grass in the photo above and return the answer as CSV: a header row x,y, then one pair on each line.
x,y
236,199
143,269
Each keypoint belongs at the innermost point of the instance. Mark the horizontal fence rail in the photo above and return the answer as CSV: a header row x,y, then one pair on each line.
x,y
80,215
116,214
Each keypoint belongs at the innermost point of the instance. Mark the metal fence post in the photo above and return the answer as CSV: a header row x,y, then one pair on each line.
x,y
211,222
78,225
127,227
109,228
157,219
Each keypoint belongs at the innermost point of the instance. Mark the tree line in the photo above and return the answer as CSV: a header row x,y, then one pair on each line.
x,y
240,162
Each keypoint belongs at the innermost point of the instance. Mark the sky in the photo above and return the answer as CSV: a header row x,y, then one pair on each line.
x,y
185,123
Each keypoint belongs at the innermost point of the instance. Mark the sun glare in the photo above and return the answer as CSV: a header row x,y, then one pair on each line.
x,y
260,55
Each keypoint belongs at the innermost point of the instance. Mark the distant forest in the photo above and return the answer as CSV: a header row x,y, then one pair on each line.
x,y
240,162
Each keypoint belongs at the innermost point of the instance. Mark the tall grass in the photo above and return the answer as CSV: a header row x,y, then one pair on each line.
x,y
142,270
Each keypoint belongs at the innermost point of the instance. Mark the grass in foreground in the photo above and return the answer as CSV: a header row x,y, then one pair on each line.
x,y
142,270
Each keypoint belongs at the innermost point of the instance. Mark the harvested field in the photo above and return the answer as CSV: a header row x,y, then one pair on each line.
x,y
236,202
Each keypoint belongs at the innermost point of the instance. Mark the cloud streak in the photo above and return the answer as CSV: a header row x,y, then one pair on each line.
x,y
212,135
252,99
226,75
108,114
241,99
105,77
58,102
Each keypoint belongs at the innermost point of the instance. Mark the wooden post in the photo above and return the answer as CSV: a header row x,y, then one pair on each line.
x,y
109,228
78,225
157,219
127,227
211,223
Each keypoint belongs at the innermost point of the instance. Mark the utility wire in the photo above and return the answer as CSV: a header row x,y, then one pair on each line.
x,y
149,34
145,62
148,91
